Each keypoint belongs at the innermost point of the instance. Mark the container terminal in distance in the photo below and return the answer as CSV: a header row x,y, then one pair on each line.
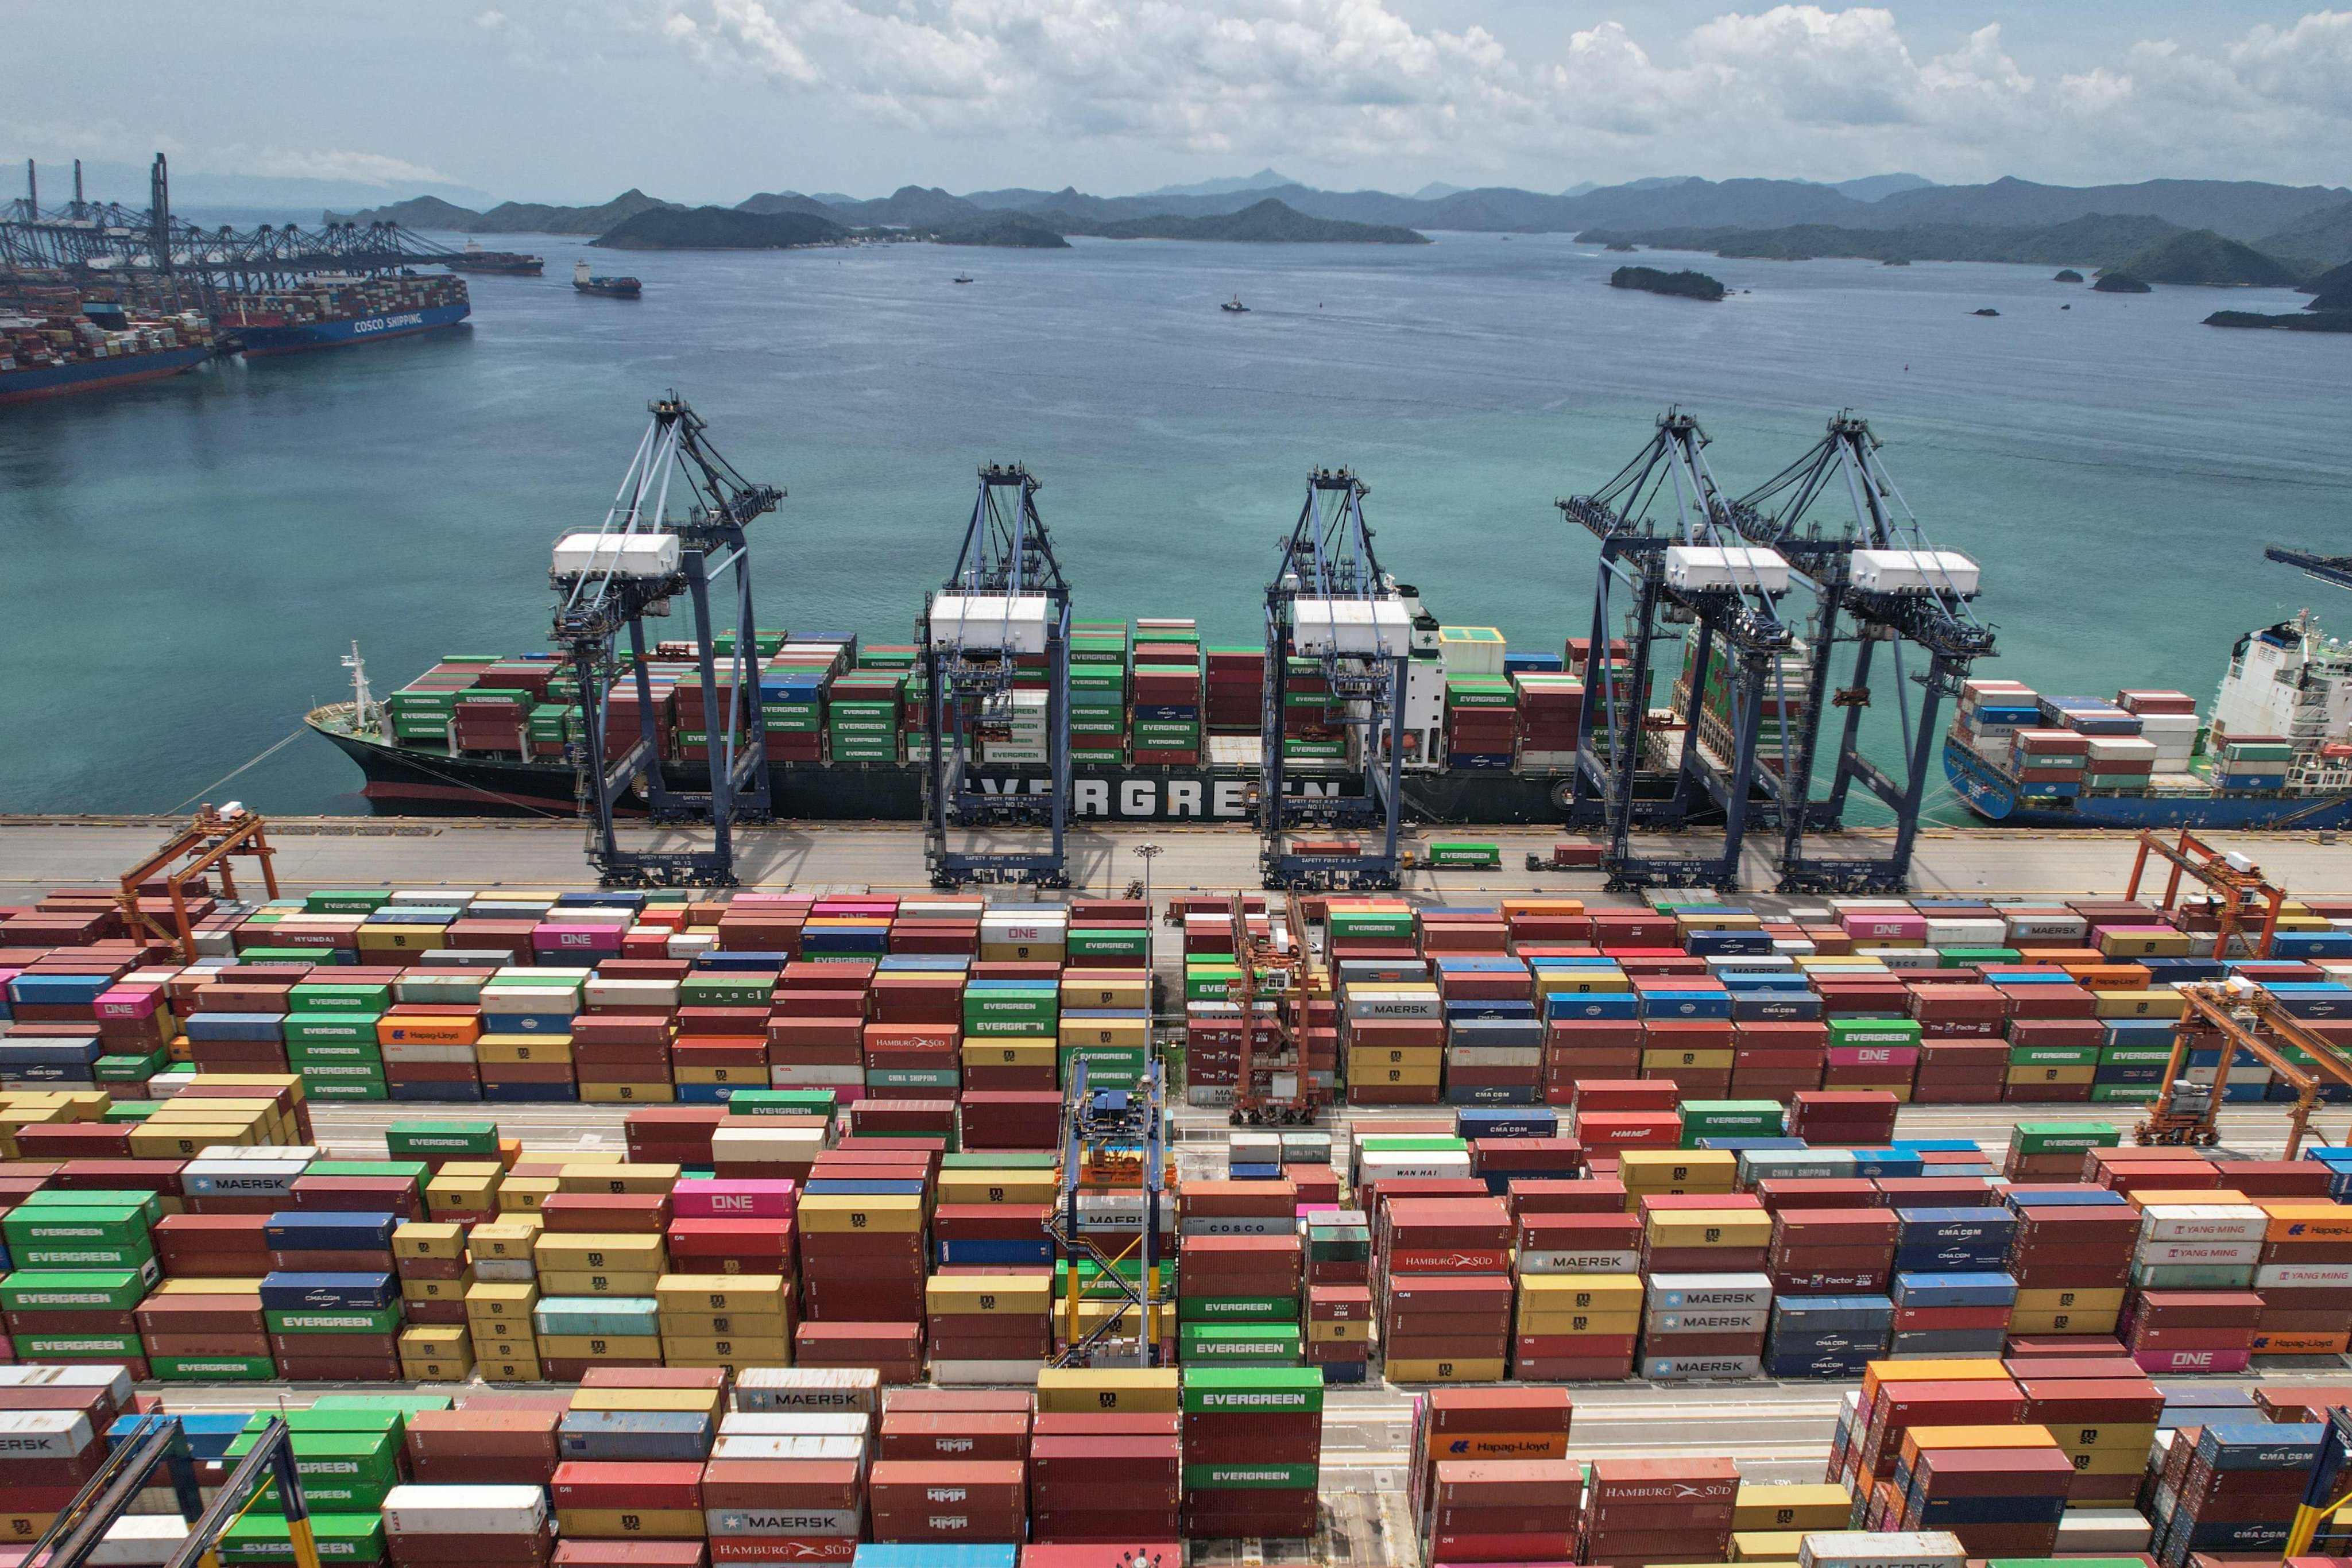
x,y
94,296
806,1222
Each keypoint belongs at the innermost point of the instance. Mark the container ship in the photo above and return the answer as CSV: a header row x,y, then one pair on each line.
x,y
94,347
332,310
2275,750
511,263
1165,729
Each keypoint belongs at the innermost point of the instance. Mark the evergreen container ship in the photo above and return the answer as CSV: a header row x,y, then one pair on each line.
x,y
1166,730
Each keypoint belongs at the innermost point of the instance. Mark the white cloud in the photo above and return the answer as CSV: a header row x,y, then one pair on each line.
x,y
1791,88
366,168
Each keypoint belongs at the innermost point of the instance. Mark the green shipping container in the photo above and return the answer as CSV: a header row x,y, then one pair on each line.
x,y
2062,1137
1237,1310
261,1537
2055,1056
212,1369
1274,1389
332,1320
442,1140
346,900
1251,1478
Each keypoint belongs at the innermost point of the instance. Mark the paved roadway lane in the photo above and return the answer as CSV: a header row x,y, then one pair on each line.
x,y
888,857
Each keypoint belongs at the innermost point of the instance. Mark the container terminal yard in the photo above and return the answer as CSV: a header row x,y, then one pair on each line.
x,y
1897,1280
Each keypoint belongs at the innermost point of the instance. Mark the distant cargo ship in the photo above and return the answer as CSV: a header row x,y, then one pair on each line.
x,y
2274,752
509,263
597,283
99,347
330,312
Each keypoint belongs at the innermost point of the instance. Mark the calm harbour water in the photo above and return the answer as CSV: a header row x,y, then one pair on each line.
x,y
183,565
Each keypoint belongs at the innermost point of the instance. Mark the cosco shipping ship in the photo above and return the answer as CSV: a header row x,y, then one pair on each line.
x,y
1164,729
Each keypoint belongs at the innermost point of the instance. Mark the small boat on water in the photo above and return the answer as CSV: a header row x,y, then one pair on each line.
x,y
1235,306
1988,310
964,277
612,287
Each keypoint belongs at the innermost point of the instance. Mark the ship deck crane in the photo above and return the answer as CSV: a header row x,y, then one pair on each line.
x,y
608,581
1004,609
2236,883
80,1529
1668,544
1330,603
1876,578
1115,1152
2236,1015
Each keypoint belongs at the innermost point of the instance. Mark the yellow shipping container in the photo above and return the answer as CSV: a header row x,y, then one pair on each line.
x,y
1469,1369
1696,1061
721,1325
659,1094
836,1212
506,1047
497,1299
594,1282
2140,1004
605,1251
601,1346
997,1186
1657,1170
992,1295
1581,1293
630,1523
997,1050
744,1349
723,1293
1813,1505
1087,1390
687,1400
654,1180
401,938
1726,1227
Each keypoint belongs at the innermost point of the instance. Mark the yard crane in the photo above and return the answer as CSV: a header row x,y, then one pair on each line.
x,y
996,669
1876,578
1331,606
1277,962
1670,544
2241,894
158,1441
607,581
2230,1017
1114,1160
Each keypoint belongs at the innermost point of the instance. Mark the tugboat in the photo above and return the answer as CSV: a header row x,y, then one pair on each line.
x,y
614,288
1235,306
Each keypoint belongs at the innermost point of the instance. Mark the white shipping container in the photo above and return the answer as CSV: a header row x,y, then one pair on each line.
x,y
795,1423
139,1540
1881,1549
1570,1261
44,1434
2304,1275
820,1523
465,1510
785,1448
2202,1222
2229,1253
957,1371
808,1389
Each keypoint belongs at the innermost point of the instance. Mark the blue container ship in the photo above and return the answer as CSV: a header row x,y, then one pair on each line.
x,y
331,312
2274,752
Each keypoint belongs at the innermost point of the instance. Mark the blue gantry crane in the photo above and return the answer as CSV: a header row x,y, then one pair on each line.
x,y
2336,570
607,581
1114,1170
1005,609
1876,578
1671,556
159,1442
1330,603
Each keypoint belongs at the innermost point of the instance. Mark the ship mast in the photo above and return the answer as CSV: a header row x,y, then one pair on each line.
x,y
363,699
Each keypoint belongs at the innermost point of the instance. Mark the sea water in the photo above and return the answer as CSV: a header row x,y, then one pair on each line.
x,y
183,565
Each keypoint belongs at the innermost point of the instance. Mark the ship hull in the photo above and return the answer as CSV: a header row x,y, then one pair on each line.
x,y
404,780
1993,797
40,384
259,342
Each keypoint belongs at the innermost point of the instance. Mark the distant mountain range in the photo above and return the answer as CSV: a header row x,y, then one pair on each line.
x,y
1889,216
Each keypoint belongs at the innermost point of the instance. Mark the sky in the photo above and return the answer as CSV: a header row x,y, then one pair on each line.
x,y
712,99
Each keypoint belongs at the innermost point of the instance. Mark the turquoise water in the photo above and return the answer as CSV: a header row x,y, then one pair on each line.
x,y
183,565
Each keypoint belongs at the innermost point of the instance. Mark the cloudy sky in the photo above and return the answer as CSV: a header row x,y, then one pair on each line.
x,y
707,99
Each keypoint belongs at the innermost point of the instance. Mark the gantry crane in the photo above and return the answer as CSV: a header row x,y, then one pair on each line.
x,y
2234,1016
158,1441
1114,1151
2237,884
608,581
1004,615
2336,570
211,841
1668,543
1279,963
1876,578
1330,603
